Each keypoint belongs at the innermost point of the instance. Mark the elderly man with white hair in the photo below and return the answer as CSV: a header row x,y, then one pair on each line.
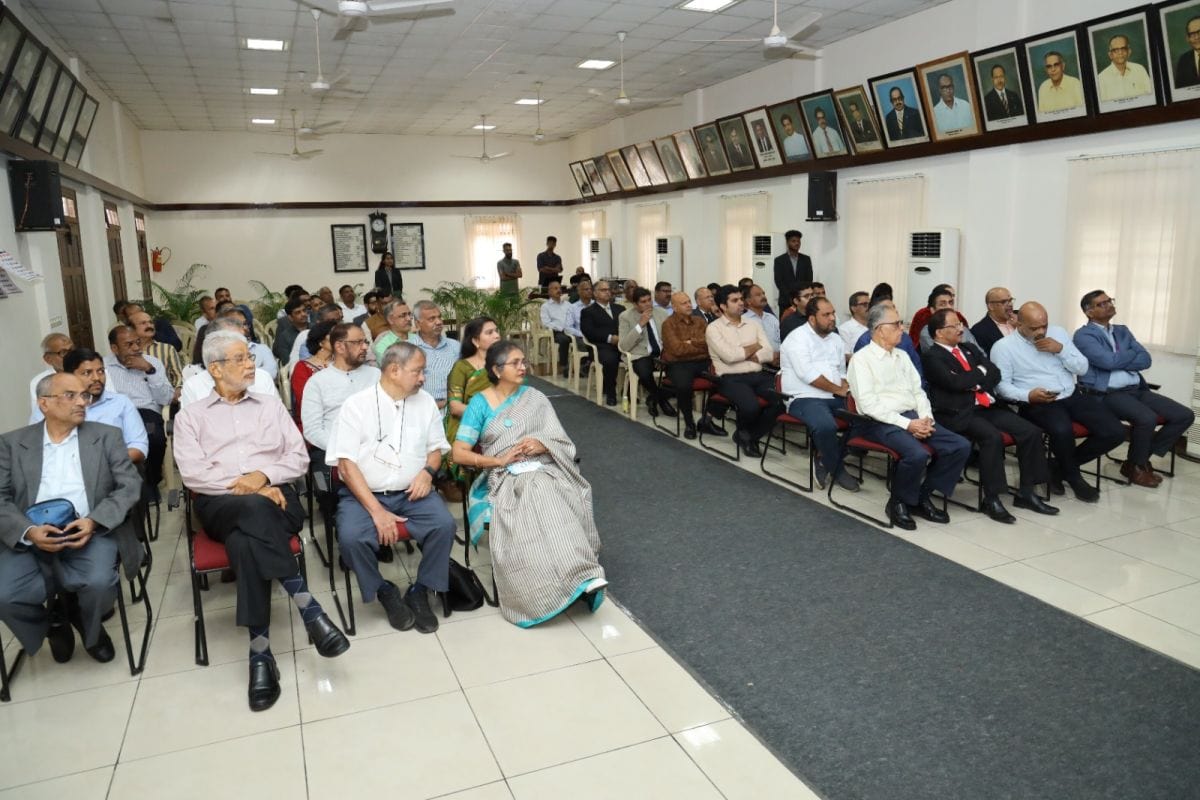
x,y
200,385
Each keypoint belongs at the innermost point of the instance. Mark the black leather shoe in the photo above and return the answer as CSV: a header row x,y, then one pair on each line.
x,y
328,639
707,427
689,432
610,399
996,510
897,512
1084,492
103,650
927,510
418,604
652,407
749,447
398,613
1034,503
666,408
62,641
264,683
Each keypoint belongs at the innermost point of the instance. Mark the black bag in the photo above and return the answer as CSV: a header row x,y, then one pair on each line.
x,y
466,592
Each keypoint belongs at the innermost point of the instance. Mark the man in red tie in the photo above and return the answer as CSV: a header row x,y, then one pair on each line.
x,y
961,381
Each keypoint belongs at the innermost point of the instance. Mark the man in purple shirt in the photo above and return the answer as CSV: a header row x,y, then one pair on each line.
x,y
239,452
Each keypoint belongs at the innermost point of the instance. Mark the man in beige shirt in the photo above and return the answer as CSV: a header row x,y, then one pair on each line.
x,y
739,348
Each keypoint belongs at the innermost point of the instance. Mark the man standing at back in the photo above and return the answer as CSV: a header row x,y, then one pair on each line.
x,y
509,269
791,268
549,264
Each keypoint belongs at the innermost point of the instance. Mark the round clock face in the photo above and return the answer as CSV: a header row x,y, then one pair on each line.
x,y
377,225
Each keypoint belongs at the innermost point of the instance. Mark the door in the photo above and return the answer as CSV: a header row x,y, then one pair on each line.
x,y
139,227
70,259
116,258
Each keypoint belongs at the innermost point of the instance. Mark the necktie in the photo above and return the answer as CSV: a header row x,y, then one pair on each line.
x,y
654,348
900,123
981,398
1004,101
828,144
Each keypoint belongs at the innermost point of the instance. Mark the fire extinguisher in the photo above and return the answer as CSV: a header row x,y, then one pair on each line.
x,y
159,256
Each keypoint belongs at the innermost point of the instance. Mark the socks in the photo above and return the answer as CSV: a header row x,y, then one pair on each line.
x,y
260,642
297,589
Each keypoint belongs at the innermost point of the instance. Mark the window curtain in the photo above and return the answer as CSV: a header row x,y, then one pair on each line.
x,y
879,216
651,223
591,226
1134,231
742,218
486,236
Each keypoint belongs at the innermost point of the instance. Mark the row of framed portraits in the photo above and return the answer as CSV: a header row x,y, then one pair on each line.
x,y
1141,57
41,102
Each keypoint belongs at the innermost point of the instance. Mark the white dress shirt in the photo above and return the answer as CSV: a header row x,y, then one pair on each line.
x,y
201,385
264,359
388,440
554,315
806,356
885,384
351,313
850,331
62,472
324,395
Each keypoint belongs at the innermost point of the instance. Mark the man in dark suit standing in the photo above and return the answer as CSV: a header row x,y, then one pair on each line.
x,y
902,122
1187,69
791,268
600,327
961,385
87,463
1001,102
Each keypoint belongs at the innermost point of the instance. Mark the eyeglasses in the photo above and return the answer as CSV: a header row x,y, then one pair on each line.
x,y
1117,49
59,353
520,362
1005,302
239,359
897,323
1109,303
863,303
355,342
71,397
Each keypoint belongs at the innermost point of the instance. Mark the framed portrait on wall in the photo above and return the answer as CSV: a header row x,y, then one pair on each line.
x,y
593,177
653,164
1058,75
737,143
637,169
903,122
821,122
581,179
672,161
762,141
859,122
1124,63
1179,40
608,174
83,129
1004,92
951,101
39,96
621,169
10,39
20,80
55,108
689,152
709,139
68,123
789,130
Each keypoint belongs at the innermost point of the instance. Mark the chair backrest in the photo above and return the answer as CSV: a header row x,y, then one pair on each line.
x,y
851,406
187,335
265,336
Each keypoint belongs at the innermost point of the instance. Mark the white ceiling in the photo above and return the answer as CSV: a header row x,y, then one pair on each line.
x,y
178,65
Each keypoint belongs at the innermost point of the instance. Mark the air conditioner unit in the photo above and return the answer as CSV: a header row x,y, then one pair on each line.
x,y
670,260
763,249
600,255
1193,434
932,259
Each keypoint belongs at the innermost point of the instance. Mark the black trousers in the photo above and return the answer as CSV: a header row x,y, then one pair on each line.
x,y
681,374
1088,410
256,534
743,390
610,359
1141,408
983,427
157,431
564,348
644,369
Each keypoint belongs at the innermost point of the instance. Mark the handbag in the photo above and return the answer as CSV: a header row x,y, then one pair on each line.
x,y
59,512
466,592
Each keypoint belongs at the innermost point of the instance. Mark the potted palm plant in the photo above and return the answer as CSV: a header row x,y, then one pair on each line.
x,y
466,302
181,304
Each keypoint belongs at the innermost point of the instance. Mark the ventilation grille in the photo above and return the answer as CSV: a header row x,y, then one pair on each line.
x,y
925,245
660,247
762,245
594,245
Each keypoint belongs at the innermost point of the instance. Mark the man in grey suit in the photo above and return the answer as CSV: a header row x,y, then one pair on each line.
x,y
86,463
639,333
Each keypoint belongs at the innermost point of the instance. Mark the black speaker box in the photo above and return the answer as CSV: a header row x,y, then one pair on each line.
x,y
822,196
36,195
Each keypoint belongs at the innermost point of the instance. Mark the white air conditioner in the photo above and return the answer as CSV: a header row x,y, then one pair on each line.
x,y
763,249
1193,434
932,259
670,260
600,254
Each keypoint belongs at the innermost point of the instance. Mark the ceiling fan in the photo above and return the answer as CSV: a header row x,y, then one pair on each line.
x,y
297,154
623,100
539,135
321,86
357,15
485,157
778,41
306,131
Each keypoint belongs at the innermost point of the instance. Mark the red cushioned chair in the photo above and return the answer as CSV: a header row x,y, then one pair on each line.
x,y
714,395
701,384
783,422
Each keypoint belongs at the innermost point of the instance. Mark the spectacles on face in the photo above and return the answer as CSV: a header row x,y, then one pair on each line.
x,y
1118,49
71,397
1008,301
1109,303
897,324
239,360
355,342
520,363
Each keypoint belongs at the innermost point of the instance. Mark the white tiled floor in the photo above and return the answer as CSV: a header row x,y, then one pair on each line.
x,y
587,706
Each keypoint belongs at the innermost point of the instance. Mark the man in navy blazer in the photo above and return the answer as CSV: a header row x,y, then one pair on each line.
x,y
1187,68
1001,102
1115,360
791,268
903,122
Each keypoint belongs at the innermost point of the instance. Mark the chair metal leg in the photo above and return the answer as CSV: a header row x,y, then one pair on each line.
x,y
9,671
198,612
884,523
737,451
762,463
135,668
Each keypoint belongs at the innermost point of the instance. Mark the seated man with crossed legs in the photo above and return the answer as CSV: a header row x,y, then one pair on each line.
x,y
685,353
640,335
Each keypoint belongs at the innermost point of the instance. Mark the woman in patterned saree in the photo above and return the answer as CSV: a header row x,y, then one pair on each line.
x,y
467,379
537,506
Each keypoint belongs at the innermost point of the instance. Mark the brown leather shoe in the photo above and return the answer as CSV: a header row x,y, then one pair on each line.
x,y
1150,471
1140,476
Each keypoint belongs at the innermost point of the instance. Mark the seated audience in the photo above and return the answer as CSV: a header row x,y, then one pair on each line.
x,y
164,331
921,319
295,319
264,359
795,315
600,328
739,349
812,367
328,389
584,297
887,389
208,312
240,452
1115,361
999,321
198,382
640,335
538,507
706,304
468,377
906,344
627,290
756,309
351,309
54,347
143,380
318,343
375,322
554,314
853,328
223,295
441,352
326,295
143,325
87,464
323,313
399,319
387,445
580,275
962,384
941,298
1037,370
744,285
662,297
685,354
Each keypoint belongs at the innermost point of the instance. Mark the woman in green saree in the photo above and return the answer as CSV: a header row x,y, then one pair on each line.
x,y
468,378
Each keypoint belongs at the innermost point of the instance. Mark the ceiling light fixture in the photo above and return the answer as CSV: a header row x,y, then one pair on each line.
x,y
539,135
259,90
274,45
482,127
595,63
709,6
528,101
262,121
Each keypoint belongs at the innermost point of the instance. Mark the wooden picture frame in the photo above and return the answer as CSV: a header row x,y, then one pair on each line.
x,y
1177,52
349,247
737,144
903,123
789,132
688,151
1125,41
83,129
608,174
1002,79
827,142
860,123
25,65
408,245
581,179
653,164
624,176
1072,96
637,169
708,140
30,123
762,139
593,176
950,96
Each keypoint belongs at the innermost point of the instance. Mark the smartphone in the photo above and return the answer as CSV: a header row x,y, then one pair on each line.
x,y
1052,392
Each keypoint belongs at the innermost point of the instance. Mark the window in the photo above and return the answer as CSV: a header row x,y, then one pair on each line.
x,y
879,215
1132,232
485,241
591,226
651,224
743,217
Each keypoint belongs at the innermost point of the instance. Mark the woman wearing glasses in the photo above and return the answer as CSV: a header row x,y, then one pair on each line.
x,y
543,536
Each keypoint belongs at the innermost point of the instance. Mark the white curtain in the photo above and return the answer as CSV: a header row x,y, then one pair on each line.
x,y
486,236
879,215
591,226
742,218
1134,231
651,222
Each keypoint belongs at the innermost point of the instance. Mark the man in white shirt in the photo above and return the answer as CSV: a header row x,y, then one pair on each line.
x,y
388,444
952,114
264,359
662,297
54,347
554,314
351,308
887,388
143,379
327,389
856,326
826,140
756,309
574,313
201,385
1122,79
812,365
208,311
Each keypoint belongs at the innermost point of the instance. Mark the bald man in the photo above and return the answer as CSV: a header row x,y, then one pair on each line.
x,y
1038,366
685,352
999,321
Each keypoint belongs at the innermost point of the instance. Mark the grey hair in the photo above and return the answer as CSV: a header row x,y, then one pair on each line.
x,y
49,339
874,316
399,353
45,387
392,306
217,344
227,324
423,305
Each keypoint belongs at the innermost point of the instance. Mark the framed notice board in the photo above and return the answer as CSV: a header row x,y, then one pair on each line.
x,y
408,245
349,248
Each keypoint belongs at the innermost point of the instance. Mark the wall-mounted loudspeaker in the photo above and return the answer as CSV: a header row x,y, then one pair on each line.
x,y
822,196
36,195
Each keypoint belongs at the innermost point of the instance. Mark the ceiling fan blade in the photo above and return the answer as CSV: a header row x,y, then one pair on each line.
x,y
455,155
801,25
279,155
323,125
400,5
342,77
309,153
722,41
349,25
498,155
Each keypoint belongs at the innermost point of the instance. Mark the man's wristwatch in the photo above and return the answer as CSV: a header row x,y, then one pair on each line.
x,y
432,472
